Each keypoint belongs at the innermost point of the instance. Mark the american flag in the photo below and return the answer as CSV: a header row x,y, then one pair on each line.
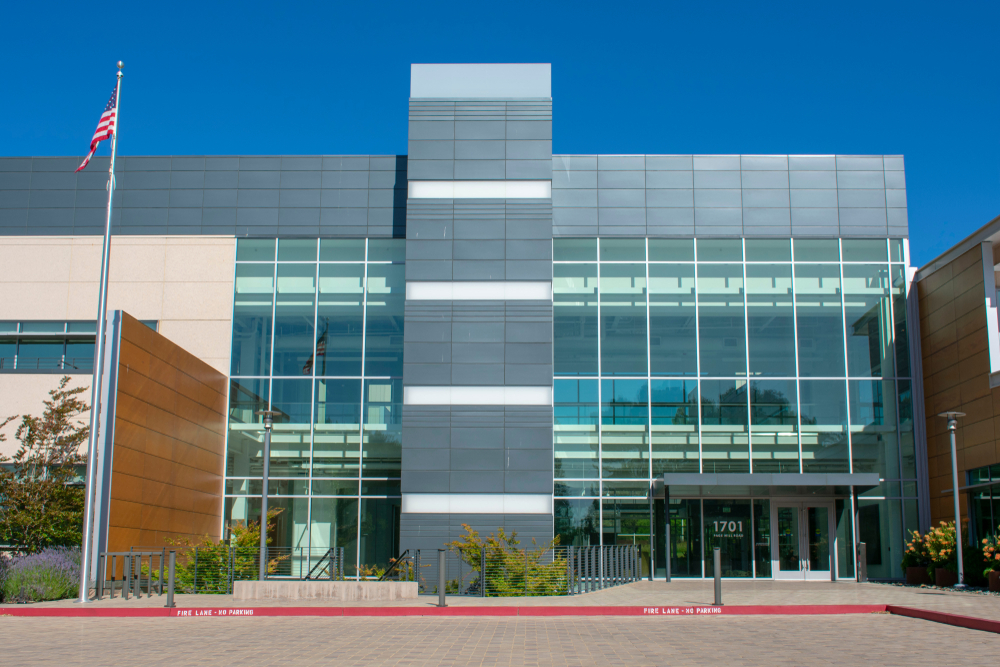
x,y
105,126
320,352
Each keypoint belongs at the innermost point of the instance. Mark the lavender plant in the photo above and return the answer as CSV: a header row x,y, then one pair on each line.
x,y
50,574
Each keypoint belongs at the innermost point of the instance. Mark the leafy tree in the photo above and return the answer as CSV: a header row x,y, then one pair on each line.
x,y
41,501
510,570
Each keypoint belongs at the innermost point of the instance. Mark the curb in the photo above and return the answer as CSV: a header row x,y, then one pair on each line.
x,y
535,611
958,620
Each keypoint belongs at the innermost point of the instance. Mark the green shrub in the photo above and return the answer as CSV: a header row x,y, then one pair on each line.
x,y
50,574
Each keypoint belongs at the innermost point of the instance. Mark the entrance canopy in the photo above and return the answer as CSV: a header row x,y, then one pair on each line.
x,y
763,484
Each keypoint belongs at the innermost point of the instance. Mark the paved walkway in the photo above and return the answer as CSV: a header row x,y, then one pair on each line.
x,y
646,594
872,639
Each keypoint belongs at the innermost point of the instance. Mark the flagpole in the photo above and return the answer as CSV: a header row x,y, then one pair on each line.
x,y
86,557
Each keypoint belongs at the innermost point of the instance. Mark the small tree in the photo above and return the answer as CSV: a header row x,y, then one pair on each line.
x,y
511,570
41,503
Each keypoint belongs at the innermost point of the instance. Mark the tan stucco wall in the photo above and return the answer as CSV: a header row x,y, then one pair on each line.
x,y
183,282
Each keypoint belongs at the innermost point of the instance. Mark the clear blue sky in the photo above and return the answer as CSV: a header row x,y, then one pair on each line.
x,y
916,78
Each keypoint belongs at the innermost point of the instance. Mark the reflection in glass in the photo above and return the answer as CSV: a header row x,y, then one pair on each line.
x,y
907,451
386,250
866,311
341,250
898,288
626,522
773,426
383,429
845,539
379,531
624,424
576,522
770,321
675,426
340,319
294,319
673,344
671,250
728,526
574,250
336,451
720,250
721,320
290,436
574,319
296,250
788,539
762,538
252,317
623,319
255,250
873,427
335,524
623,250
574,428
768,250
384,330
819,539
823,405
245,448
724,426
820,320
685,538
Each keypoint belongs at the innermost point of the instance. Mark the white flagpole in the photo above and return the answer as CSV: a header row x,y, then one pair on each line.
x,y
86,557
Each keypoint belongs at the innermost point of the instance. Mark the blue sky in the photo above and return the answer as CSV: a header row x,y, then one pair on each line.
x,y
914,78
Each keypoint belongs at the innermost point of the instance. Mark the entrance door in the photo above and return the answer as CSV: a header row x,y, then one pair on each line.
x,y
803,546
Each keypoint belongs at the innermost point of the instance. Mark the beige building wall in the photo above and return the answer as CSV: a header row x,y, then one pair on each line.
x,y
183,282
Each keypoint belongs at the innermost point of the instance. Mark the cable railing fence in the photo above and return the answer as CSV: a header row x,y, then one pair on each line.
x,y
506,572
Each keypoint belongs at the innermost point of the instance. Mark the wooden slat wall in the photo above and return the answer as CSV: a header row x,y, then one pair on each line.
x,y
953,331
169,444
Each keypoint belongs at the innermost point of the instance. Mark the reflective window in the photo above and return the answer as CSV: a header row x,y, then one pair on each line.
x,y
340,319
874,446
774,426
623,319
721,320
770,320
383,428
577,522
673,339
724,426
384,320
294,319
574,319
820,320
823,405
624,428
674,434
252,317
866,312
574,428
337,439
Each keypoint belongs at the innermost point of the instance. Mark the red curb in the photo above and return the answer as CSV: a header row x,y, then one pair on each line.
x,y
200,612
958,620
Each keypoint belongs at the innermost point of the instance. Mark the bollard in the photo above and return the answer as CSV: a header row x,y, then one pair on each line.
x,y
717,560
862,562
113,576
126,576
101,571
160,587
442,577
668,559
137,579
170,585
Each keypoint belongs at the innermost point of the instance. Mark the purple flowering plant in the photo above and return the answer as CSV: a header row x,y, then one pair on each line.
x,y
50,574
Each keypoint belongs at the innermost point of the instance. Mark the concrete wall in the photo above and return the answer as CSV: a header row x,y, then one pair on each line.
x,y
956,364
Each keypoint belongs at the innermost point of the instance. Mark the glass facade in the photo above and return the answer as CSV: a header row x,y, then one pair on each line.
x,y
318,336
730,356
46,346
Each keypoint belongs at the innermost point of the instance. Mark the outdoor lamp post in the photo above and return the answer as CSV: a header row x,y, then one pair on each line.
x,y
268,425
952,418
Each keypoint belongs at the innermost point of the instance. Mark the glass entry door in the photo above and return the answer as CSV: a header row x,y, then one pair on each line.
x,y
803,541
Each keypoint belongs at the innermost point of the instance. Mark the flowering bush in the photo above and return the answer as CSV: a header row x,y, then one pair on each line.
x,y
991,553
915,554
50,574
940,545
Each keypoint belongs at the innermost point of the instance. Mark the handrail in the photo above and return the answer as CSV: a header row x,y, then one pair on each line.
x,y
395,564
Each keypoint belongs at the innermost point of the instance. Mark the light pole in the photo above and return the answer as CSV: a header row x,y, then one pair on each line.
x,y
952,418
268,425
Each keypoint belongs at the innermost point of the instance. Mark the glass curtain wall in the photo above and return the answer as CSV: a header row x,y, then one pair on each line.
x,y
318,337
731,355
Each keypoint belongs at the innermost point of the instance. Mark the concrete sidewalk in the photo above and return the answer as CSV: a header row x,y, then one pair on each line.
x,y
678,593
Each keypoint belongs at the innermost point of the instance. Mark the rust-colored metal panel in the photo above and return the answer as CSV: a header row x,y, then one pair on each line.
x,y
169,443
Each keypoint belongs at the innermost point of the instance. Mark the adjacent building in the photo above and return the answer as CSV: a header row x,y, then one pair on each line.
x,y
482,333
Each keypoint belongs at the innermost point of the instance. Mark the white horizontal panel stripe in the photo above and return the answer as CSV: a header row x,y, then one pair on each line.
x,y
476,503
480,189
492,290
477,395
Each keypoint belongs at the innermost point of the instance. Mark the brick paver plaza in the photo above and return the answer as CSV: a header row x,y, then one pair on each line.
x,y
872,639
855,639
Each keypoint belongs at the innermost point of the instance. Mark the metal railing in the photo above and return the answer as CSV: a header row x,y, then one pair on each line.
x,y
213,569
505,572
22,363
